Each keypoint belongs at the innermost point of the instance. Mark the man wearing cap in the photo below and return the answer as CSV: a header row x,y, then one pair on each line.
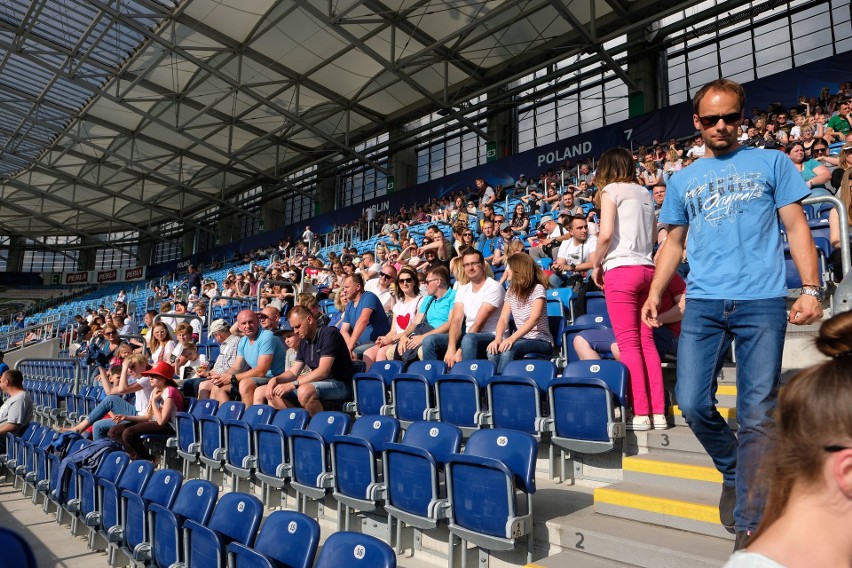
x,y
228,344
521,185
507,235
549,247
323,351
260,356
17,411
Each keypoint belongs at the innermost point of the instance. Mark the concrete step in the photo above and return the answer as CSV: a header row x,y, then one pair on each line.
x,y
584,536
729,413
678,438
665,506
675,470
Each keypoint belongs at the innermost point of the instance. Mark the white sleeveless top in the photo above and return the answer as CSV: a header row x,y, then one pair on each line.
x,y
634,232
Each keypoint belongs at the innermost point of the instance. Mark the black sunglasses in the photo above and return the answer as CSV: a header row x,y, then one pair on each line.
x,y
383,275
820,149
712,120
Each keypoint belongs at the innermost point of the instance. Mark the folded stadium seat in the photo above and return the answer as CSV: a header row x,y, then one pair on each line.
x,y
367,550
50,489
356,463
161,489
458,394
112,466
412,391
134,479
273,454
240,451
10,458
195,501
287,538
370,389
211,428
490,487
564,297
310,467
187,431
588,406
236,518
25,462
412,476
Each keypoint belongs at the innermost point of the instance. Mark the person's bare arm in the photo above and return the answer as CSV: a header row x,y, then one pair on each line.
x,y
668,260
360,326
821,176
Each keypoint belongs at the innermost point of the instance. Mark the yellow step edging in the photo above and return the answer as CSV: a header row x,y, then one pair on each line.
x,y
659,505
727,413
672,469
726,390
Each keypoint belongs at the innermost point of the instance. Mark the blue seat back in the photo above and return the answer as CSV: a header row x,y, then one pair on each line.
x,y
236,518
378,430
16,550
355,550
429,369
516,450
440,439
613,373
596,304
540,371
387,370
457,397
330,423
515,402
194,501
258,414
593,319
287,537
480,369
291,418
161,489
205,407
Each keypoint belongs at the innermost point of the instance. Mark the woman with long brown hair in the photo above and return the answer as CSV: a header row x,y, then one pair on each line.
x,y
526,302
809,469
404,311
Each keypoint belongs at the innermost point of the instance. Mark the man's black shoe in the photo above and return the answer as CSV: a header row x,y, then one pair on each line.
x,y
727,502
742,540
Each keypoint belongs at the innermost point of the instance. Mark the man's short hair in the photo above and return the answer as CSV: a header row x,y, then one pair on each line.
x,y
477,253
300,311
357,278
571,219
15,378
440,272
725,85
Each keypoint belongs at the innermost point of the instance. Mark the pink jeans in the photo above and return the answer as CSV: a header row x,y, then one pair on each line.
x,y
626,289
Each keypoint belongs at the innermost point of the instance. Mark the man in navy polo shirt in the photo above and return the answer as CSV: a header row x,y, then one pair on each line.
x,y
364,319
323,351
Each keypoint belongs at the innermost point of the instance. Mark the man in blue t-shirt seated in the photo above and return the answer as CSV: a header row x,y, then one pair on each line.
x,y
364,319
323,351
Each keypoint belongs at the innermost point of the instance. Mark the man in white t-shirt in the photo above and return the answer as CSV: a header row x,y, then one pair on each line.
x,y
308,235
381,286
575,256
478,302
369,267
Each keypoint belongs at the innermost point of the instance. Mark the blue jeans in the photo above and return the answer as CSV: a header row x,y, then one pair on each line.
x,y
113,403
757,327
472,345
518,350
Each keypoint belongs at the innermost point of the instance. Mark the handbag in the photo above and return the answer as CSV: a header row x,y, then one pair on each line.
x,y
410,355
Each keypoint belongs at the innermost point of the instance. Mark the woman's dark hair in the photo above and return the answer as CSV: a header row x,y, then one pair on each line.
x,y
415,283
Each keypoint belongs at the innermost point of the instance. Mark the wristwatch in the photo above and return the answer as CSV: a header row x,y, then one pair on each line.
x,y
233,378
815,291
573,267
296,384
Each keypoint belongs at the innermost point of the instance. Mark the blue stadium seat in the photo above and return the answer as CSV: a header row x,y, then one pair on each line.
x,y
370,388
162,488
565,297
16,550
355,465
490,487
211,428
111,468
195,501
458,394
240,451
49,488
273,463
311,471
187,436
412,391
355,550
236,518
412,471
134,478
286,539
588,406
595,304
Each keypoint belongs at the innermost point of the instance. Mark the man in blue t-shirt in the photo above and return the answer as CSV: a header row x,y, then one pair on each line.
x,y
364,319
434,310
260,356
730,201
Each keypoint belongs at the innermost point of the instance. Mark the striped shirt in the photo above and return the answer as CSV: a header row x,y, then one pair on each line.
x,y
521,311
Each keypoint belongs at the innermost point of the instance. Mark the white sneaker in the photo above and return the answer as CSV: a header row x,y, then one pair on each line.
x,y
639,423
660,422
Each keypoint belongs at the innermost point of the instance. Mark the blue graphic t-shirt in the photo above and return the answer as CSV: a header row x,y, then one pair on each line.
x,y
730,203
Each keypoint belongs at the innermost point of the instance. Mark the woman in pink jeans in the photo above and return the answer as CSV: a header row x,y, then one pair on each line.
x,y
624,262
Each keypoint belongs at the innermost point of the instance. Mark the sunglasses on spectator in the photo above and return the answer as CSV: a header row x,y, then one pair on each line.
x,y
712,120
405,280
388,276
821,149
467,234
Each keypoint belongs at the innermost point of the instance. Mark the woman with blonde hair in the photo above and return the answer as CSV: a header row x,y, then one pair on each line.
x,y
526,302
624,269
808,471
160,343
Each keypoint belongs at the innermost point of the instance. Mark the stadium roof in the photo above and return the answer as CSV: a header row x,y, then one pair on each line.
x,y
121,115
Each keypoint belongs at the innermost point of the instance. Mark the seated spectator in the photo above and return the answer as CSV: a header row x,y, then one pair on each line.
x,y
341,300
527,304
17,412
549,246
838,126
183,334
467,240
192,362
382,287
433,316
260,356
488,241
459,219
592,343
291,340
815,174
567,205
507,235
220,331
520,222
269,318
3,366
807,468
121,381
158,418
407,301
369,267
845,196
478,303
364,319
575,256
324,352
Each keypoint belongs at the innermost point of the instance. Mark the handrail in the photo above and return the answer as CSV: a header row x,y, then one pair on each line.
x,y
78,368
297,288
845,260
45,330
